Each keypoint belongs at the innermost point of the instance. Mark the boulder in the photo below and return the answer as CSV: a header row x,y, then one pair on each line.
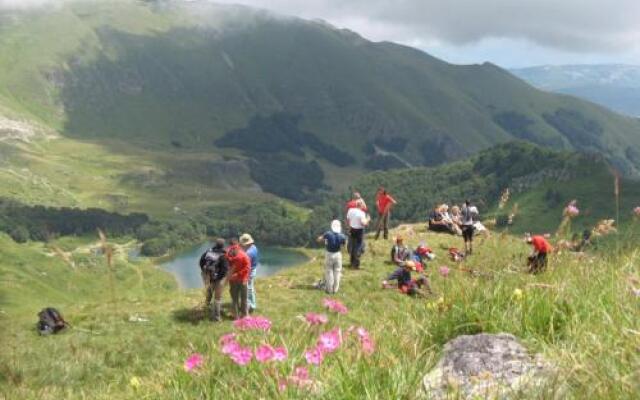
x,y
486,366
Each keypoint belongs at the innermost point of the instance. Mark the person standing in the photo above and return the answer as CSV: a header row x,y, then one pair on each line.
x,y
469,215
333,240
249,247
240,268
357,220
384,202
538,258
213,268
355,198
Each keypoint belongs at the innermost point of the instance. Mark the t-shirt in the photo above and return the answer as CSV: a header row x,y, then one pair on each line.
x,y
435,216
356,218
354,204
383,201
333,241
254,255
540,244
468,215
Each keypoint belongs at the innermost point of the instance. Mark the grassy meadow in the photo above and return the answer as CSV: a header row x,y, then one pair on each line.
x,y
580,314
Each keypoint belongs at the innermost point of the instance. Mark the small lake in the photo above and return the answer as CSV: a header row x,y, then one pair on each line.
x,y
184,266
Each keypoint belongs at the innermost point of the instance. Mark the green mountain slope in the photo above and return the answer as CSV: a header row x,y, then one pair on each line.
x,y
541,183
185,77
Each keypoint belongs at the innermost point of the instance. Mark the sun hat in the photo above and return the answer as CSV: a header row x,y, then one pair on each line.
x,y
336,226
246,239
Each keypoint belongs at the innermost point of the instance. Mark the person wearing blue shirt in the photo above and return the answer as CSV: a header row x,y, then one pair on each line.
x,y
247,243
333,240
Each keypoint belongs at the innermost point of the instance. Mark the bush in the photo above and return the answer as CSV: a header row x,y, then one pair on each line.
x,y
19,234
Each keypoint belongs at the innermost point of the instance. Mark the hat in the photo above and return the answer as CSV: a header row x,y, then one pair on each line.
x,y
411,265
246,239
336,226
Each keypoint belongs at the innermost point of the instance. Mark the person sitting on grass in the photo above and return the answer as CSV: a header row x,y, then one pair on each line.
x,y
422,254
399,252
437,222
537,261
239,270
407,285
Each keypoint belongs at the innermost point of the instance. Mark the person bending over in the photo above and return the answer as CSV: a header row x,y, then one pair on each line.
x,y
537,260
214,267
407,285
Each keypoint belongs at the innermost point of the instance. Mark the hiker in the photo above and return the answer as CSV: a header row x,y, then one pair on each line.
x,y
406,285
354,202
422,254
384,203
437,222
537,261
213,268
399,252
239,271
249,247
469,215
456,219
333,240
357,220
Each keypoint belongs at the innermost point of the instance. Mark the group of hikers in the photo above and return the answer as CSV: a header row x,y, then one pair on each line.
x,y
237,263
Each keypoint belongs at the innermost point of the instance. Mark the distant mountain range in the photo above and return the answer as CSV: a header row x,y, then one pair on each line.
x,y
614,86
197,89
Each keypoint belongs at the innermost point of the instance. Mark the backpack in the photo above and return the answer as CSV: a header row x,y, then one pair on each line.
x,y
209,260
50,321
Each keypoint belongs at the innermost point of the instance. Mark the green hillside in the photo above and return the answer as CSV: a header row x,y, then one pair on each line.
x,y
541,183
189,79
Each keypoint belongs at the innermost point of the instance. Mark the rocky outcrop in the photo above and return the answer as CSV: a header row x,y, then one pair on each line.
x,y
486,366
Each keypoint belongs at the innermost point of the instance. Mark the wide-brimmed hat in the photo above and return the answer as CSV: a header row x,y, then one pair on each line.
x,y
246,239
336,226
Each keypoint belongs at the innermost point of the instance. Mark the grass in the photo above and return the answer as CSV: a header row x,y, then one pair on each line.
x,y
580,315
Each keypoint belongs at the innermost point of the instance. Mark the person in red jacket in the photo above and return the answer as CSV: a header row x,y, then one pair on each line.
x,y
239,270
538,258
384,202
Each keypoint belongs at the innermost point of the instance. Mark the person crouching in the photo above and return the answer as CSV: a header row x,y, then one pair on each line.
x,y
240,268
537,261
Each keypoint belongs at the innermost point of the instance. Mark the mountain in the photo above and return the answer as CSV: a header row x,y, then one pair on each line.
x,y
614,86
183,99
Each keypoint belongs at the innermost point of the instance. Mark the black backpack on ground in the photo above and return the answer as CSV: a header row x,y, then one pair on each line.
x,y
50,321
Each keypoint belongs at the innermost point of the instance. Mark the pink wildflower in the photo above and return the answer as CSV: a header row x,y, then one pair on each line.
x,y
252,323
314,356
301,373
265,353
229,337
335,306
230,347
242,356
636,211
367,345
300,377
571,210
316,319
280,353
330,341
444,271
282,385
194,361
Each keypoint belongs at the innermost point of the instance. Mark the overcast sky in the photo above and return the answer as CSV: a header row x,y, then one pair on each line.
x,y
511,33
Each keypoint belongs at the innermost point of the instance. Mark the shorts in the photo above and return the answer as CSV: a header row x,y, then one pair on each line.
x,y
467,232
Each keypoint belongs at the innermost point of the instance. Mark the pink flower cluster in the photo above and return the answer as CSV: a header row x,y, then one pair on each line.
x,y
636,211
299,378
571,210
316,319
368,346
328,342
444,271
193,362
252,323
243,355
335,306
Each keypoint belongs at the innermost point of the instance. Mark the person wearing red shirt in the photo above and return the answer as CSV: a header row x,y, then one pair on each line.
x,y
384,202
356,201
538,259
239,270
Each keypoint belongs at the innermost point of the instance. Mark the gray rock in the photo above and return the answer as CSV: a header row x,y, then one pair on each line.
x,y
486,366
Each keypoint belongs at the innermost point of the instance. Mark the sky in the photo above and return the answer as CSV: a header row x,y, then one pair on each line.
x,y
510,33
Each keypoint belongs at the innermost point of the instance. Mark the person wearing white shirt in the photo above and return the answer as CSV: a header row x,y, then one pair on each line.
x,y
357,220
